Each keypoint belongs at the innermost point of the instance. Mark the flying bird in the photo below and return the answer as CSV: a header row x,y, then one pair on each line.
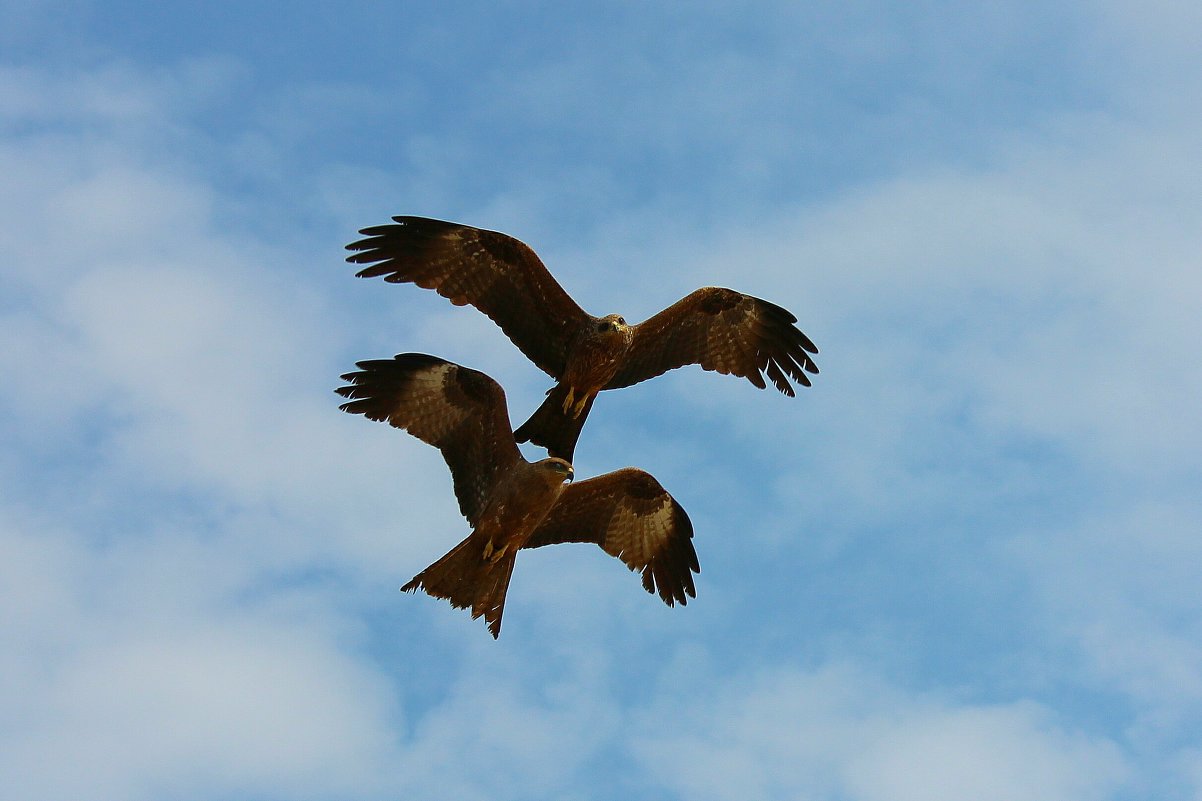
x,y
719,329
511,503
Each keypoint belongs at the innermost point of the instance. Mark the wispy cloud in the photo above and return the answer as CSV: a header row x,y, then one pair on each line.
x,y
987,496
839,733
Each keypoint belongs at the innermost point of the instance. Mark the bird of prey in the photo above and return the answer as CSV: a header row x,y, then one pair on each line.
x,y
511,503
719,329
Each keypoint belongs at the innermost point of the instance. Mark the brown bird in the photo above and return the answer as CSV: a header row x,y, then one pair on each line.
x,y
511,503
719,329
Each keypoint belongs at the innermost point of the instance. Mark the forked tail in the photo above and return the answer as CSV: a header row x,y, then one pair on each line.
x,y
469,581
551,427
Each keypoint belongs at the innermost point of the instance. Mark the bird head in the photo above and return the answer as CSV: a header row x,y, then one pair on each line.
x,y
612,323
559,467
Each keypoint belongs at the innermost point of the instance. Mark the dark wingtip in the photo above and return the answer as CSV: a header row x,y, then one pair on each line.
x,y
378,377
675,588
381,239
780,312
418,359
371,238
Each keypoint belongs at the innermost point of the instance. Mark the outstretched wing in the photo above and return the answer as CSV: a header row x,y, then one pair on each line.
x,y
721,330
460,411
631,517
494,272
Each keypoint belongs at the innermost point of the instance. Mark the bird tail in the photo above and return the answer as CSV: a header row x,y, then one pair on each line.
x,y
551,427
469,580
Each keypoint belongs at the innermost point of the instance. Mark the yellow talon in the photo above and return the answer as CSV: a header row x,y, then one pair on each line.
x,y
497,554
567,401
579,407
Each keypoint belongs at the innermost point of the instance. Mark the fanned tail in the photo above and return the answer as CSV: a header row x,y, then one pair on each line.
x,y
469,581
550,427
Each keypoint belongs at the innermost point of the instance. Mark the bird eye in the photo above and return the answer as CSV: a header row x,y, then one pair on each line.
x,y
621,321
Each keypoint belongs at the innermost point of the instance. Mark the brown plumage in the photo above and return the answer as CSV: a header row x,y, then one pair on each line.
x,y
719,329
511,503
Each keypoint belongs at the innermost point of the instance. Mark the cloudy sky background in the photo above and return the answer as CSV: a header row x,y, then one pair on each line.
x,y
964,565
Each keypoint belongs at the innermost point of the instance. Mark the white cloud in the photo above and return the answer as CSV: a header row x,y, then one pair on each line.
x,y
1118,586
140,662
498,736
986,753
837,733
246,707
147,666
195,359
1048,297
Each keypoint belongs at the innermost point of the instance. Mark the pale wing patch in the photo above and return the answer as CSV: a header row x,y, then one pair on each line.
x,y
425,409
727,350
638,530
653,536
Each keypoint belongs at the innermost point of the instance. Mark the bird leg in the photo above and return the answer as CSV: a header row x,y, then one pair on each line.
x,y
494,555
581,402
574,404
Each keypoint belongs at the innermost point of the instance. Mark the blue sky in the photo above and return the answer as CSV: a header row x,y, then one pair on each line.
x,y
965,564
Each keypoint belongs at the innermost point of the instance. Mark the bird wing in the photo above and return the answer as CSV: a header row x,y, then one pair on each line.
x,y
721,330
494,272
631,517
460,411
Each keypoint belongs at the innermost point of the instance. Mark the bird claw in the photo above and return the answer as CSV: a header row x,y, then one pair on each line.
x,y
579,407
572,405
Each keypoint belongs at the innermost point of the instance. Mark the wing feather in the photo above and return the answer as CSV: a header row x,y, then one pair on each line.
x,y
631,517
724,331
460,411
496,273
